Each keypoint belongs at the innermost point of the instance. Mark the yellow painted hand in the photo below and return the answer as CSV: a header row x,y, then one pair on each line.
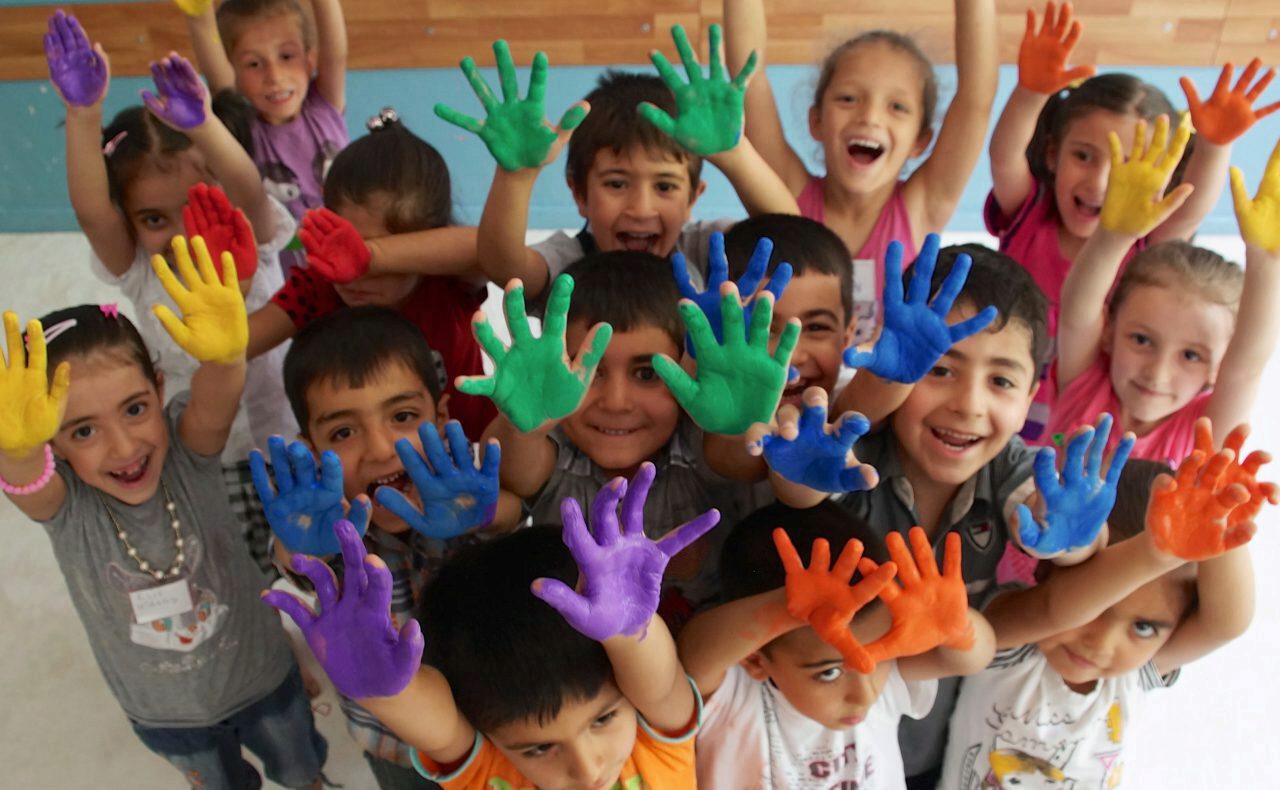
x,y
213,327
193,7
1259,218
1136,203
30,410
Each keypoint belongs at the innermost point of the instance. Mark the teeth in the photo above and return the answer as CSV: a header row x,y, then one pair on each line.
x,y
616,431
864,142
389,479
957,438
130,471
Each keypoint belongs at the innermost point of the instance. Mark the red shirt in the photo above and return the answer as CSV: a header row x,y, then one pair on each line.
x,y
441,308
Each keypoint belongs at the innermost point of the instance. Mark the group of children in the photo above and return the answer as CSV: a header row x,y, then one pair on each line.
x,y
692,629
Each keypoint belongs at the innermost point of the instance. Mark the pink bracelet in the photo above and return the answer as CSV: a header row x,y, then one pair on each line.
x,y
40,482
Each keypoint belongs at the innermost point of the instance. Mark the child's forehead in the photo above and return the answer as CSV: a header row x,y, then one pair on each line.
x,y
392,381
643,340
274,27
575,715
639,160
1003,342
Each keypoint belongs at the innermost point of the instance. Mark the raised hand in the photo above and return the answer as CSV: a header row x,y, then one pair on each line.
x,y
456,496
709,109
820,595
812,453
352,636
1136,203
224,228
620,572
1078,505
213,327
1189,516
1259,218
534,382
738,381
193,7
335,249
30,409
79,71
183,102
1243,472
929,608
1043,56
708,301
301,506
514,130
1229,112
916,333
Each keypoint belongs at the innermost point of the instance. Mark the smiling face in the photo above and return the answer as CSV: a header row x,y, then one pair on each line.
x,y
154,198
273,66
1081,163
637,200
825,331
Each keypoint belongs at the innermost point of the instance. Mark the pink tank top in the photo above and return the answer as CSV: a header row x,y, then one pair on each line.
x,y
868,262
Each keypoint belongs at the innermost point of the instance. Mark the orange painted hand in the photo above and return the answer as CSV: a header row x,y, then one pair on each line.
x,y
1259,218
1229,111
1042,58
1136,203
821,596
928,608
1245,473
1190,517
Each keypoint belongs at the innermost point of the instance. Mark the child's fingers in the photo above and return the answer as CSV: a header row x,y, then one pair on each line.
x,y
858,477
478,85
322,578
537,78
922,273
820,555
507,81
665,70
592,349
952,285
1212,476
1074,468
847,562
1117,153
874,584
757,264
487,339
1239,535
888,593
951,556
1261,85
973,325
637,493
922,552
1236,438
734,318
1120,458
299,612
1045,470
575,609
658,117
303,464
1098,447
1229,498
261,480
173,325
715,59
893,293
787,552
409,646
908,573
779,280
574,531
1159,140
377,598
280,466
1255,461
744,74
681,385
62,383
1263,112
330,471
1069,43
449,115
1246,76
1171,155
1078,74
1189,469
459,447
1240,192
518,319
684,282
678,539
1028,530
356,579
573,117
1174,200
786,342
851,427
687,56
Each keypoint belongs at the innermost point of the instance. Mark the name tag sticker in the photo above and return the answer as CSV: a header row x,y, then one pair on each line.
x,y
165,600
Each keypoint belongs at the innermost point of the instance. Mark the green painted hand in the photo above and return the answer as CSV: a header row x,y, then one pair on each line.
x,y
709,108
738,382
515,130
534,382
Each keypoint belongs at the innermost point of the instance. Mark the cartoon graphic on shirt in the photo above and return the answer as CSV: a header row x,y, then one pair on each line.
x,y
182,632
280,182
1015,770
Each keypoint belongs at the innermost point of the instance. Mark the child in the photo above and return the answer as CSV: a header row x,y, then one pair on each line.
x,y
509,696
872,111
634,184
1049,160
295,76
1078,652
389,182
783,709
1183,334
143,532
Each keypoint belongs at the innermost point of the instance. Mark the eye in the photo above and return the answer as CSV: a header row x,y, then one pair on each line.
x,y
1080,155
1140,339
153,221
135,409
899,107
82,432
541,750
817,327
406,415
829,675
1192,356
606,719
940,371
340,434
1000,382
846,98
1145,630
645,373
615,183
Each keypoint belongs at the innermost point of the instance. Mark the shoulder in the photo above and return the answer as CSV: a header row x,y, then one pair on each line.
x,y
1031,216
902,697
306,296
135,280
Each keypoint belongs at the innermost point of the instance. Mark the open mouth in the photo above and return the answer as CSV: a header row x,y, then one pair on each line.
x,y
1088,208
637,242
953,440
280,96
397,480
614,433
133,473
1078,659
863,151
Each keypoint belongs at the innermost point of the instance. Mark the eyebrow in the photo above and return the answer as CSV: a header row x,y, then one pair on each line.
x,y
822,313
602,710
816,664
1003,362
77,421
333,416
618,171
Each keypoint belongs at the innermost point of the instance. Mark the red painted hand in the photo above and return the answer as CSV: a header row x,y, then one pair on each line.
x,y
335,249
209,214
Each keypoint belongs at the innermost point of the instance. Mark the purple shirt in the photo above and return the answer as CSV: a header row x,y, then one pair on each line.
x,y
294,157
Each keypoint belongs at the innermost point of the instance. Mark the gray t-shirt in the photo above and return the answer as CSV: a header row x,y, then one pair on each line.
x,y
188,670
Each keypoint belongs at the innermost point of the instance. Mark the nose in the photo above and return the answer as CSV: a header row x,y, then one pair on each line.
x,y
269,72
121,442
640,201
615,393
1100,638
584,764
1159,368
1098,175
969,397
859,690
381,444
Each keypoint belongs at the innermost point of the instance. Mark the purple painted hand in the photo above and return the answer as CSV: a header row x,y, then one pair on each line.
x,y
352,636
620,572
78,70
183,100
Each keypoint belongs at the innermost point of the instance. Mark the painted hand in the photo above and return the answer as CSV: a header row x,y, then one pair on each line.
x,y
183,102
1229,112
30,409
620,571
709,109
352,636
213,327
193,7
534,382
456,496
1190,517
1077,506
738,381
224,228
708,301
1243,472
335,249
1136,202
929,608
80,72
915,333
820,595
1259,218
1043,56
515,130
812,453
302,507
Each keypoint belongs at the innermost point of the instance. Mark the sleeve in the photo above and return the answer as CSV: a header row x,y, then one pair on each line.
x,y
484,766
173,412
306,297
731,702
132,281
558,250
1149,677
1002,226
1013,481
908,698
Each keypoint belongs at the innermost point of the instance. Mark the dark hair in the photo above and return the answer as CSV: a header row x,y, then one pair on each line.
x,y
237,114
95,332
615,124
805,244
997,280
1180,264
749,563
627,289
1123,94
1129,514
233,15
904,44
352,346
506,655
395,163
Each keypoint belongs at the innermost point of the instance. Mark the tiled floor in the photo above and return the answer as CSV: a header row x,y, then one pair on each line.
x,y
60,727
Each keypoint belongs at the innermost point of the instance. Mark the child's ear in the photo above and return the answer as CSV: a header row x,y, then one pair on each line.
x,y
756,666
442,411
313,58
696,193
922,142
579,198
1051,157
160,384
815,123
1107,341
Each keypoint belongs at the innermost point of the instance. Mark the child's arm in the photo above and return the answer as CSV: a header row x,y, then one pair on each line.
x,y
746,34
210,55
715,640
269,326
1042,72
338,253
331,48
934,189
30,414
1135,203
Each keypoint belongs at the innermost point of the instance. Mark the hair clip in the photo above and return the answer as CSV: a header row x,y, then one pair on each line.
x,y
60,328
110,146
382,120
110,310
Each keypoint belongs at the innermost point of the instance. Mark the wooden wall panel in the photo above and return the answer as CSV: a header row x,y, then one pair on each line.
x,y
437,33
